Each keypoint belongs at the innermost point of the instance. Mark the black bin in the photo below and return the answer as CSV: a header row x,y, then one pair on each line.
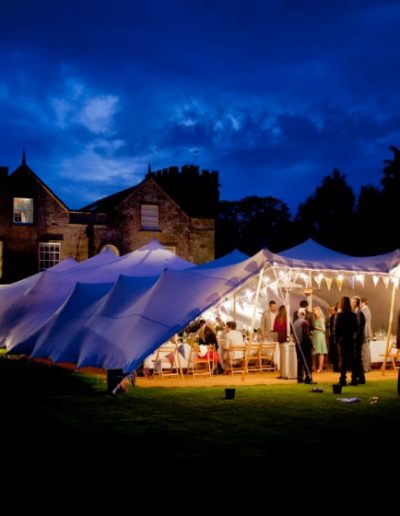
x,y
114,377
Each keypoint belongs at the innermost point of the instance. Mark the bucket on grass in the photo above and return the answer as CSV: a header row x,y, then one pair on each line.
x,y
337,388
230,394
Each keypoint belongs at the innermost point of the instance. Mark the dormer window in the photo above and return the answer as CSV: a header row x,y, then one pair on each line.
x,y
149,217
23,210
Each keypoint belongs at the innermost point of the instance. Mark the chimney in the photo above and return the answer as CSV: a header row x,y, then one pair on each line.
x,y
3,175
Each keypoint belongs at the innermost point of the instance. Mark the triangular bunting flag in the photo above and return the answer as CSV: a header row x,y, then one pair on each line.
x,y
181,350
350,281
375,280
339,282
295,275
386,280
395,282
318,279
328,282
157,365
171,358
361,279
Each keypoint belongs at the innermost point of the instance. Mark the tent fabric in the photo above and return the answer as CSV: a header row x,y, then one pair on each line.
x,y
311,255
54,286
66,345
118,328
229,259
11,294
79,307
123,338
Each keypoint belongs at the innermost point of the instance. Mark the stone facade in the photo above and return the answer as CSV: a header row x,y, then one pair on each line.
x,y
117,220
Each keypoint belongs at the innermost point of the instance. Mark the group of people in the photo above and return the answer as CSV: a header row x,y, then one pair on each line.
x,y
348,333
221,336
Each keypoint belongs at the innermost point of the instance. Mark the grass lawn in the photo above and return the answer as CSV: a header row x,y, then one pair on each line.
x,y
48,412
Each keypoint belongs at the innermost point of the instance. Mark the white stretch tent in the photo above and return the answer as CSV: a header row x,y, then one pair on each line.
x,y
60,338
122,338
53,288
229,259
127,325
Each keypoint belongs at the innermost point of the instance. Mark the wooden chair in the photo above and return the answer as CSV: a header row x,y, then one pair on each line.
x,y
253,362
166,362
200,365
237,358
393,355
267,351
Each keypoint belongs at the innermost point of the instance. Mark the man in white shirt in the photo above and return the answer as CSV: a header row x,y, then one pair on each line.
x,y
233,337
267,320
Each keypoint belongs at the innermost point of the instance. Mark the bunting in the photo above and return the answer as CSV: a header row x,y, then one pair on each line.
x,y
339,282
361,279
328,282
351,281
375,279
386,281
318,279
157,366
181,350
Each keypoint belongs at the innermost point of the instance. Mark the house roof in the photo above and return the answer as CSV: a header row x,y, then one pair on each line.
x,y
107,204
25,169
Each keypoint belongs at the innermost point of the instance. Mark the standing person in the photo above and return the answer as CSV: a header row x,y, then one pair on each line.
x,y
268,320
280,324
302,334
309,316
346,332
333,349
319,337
358,373
366,350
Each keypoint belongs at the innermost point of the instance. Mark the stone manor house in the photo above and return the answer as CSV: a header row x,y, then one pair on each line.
x,y
37,230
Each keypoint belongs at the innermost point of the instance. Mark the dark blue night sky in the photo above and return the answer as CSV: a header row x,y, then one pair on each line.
x,y
273,94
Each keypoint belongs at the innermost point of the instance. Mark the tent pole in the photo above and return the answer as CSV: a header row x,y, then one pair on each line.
x,y
234,306
390,325
253,319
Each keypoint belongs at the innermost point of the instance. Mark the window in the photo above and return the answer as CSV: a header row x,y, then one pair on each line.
x,y
170,248
49,255
149,217
23,210
113,248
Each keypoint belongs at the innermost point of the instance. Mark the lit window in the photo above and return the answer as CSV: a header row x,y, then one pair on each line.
x,y
111,247
149,216
49,255
170,248
23,210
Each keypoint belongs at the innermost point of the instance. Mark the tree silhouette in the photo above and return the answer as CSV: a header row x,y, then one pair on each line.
x,y
368,236
390,200
253,223
327,216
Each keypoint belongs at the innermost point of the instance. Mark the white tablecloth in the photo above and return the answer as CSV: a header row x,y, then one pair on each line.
x,y
378,348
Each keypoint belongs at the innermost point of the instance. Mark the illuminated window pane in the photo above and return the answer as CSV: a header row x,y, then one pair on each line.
x,y
23,210
49,255
170,248
149,216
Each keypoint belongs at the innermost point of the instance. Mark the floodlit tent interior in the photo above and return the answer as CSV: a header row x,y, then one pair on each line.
x,y
118,312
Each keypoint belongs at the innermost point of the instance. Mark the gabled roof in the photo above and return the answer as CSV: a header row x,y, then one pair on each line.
x,y
24,169
107,204
189,204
